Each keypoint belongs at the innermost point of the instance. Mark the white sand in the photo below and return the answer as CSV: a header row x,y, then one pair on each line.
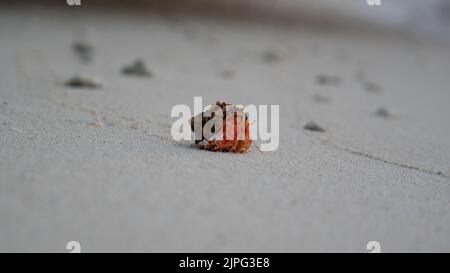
x,y
99,166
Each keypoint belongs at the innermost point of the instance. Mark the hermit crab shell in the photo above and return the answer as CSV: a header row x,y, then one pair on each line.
x,y
234,139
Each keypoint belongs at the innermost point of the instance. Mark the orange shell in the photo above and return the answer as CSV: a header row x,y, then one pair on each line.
x,y
228,144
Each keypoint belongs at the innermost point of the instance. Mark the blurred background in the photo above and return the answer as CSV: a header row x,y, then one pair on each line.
x,y
412,15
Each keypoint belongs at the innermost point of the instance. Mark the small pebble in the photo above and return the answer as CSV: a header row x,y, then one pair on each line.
x,y
83,82
384,113
371,87
84,51
138,68
328,80
312,126
270,57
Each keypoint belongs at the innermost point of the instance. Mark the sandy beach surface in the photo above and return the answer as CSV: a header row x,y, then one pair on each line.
x,y
98,165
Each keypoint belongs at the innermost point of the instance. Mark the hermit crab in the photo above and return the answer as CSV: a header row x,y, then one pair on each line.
x,y
222,128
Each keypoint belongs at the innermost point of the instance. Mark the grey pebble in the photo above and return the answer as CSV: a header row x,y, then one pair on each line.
x,y
384,113
371,87
84,51
328,80
138,68
312,126
270,57
83,82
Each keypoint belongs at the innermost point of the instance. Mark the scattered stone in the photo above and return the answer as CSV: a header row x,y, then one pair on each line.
x,y
371,87
83,82
138,68
312,126
84,51
270,57
328,80
384,113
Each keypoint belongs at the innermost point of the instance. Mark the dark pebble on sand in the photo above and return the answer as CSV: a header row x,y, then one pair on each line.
x,y
84,51
384,113
372,87
138,68
270,57
312,126
328,80
83,82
